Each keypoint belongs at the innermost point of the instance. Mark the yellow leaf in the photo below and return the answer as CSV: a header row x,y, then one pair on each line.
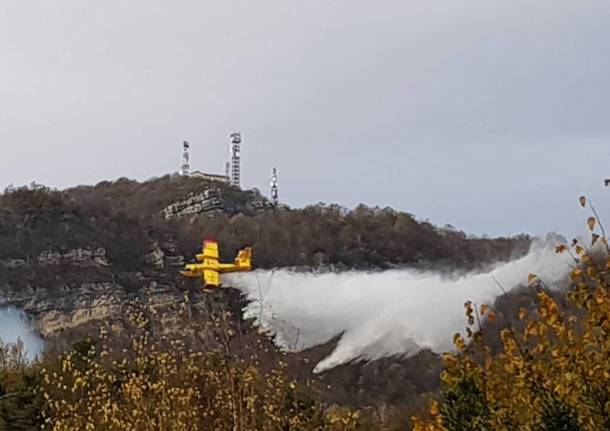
x,y
484,308
456,337
449,359
575,274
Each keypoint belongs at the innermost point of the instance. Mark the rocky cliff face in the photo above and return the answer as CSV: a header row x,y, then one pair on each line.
x,y
78,257
54,313
207,201
77,288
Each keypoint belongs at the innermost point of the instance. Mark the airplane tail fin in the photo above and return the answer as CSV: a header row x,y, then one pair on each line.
x,y
244,259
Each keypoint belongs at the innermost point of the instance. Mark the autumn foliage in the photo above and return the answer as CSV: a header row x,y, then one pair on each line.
x,y
553,373
177,390
155,383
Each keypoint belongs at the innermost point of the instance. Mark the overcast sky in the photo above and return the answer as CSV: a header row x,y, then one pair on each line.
x,y
492,116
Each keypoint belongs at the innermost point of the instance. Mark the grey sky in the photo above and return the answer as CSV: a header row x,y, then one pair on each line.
x,y
489,115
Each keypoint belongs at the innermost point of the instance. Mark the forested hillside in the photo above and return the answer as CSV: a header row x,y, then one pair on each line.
x,y
93,257
126,219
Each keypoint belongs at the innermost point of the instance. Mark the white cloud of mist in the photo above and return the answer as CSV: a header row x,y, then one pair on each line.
x,y
14,327
380,314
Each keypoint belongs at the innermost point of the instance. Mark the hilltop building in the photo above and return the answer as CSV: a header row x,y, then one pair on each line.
x,y
210,177
185,168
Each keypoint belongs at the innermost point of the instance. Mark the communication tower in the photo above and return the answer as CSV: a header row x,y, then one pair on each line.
x,y
186,158
235,158
275,188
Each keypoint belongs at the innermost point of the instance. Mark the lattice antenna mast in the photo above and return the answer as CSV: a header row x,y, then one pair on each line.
x,y
186,158
235,158
275,188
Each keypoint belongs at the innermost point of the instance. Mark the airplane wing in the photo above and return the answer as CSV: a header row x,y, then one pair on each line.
x,y
211,278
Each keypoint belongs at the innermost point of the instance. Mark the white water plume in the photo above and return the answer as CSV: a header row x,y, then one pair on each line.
x,y
14,327
380,314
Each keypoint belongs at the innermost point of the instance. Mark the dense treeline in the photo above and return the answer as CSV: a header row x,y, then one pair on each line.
x,y
124,217
360,238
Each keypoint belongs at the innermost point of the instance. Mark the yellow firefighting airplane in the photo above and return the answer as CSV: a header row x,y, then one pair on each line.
x,y
209,268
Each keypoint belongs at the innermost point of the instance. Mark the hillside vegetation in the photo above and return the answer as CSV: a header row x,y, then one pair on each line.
x,y
134,345
124,217
552,370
